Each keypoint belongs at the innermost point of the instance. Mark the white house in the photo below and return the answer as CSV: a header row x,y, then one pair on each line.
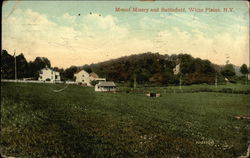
x,y
105,87
84,78
47,74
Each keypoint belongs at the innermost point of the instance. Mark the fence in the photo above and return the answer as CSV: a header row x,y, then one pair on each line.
x,y
34,81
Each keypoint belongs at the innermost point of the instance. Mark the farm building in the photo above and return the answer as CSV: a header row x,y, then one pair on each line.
x,y
84,78
94,75
105,87
49,75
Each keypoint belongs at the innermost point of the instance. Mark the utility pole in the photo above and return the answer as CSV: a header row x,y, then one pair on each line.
x,y
246,78
15,66
216,81
180,81
135,81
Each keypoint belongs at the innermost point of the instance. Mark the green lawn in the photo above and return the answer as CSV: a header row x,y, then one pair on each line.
x,y
226,88
78,122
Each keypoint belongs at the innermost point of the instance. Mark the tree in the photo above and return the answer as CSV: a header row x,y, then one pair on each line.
x,y
69,72
244,70
24,69
38,64
169,77
186,61
7,65
228,71
22,66
87,68
94,82
143,75
41,62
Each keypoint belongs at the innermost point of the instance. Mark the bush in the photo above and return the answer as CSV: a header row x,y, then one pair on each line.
x,y
94,82
227,90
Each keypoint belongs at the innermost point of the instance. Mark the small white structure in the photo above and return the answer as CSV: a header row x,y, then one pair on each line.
x,y
105,87
176,70
49,75
84,78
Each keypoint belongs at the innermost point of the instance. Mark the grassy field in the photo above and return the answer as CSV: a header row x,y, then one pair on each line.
x,y
78,122
226,88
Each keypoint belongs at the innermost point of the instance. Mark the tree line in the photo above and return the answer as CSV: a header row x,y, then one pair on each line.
x,y
24,69
146,68
158,69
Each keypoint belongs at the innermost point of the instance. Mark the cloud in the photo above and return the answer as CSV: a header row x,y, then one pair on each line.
x,y
68,18
201,39
16,3
79,43
78,40
215,48
99,26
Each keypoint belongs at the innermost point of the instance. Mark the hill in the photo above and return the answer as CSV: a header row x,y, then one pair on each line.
x,y
156,68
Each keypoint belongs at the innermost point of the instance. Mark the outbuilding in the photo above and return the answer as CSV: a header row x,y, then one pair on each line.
x,y
105,87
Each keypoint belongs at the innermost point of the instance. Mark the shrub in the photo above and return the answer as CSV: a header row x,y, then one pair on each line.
x,y
227,90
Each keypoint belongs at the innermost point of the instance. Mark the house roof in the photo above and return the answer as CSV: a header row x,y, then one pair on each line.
x,y
80,71
47,68
107,84
94,75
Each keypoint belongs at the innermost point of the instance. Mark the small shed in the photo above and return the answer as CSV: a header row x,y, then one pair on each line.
x,y
105,87
153,94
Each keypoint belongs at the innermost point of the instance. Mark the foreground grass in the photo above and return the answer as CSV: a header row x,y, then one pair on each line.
x,y
77,122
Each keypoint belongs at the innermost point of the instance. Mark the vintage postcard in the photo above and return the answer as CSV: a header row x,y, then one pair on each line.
x,y
141,78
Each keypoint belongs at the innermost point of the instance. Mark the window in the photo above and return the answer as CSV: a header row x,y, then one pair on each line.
x,y
82,75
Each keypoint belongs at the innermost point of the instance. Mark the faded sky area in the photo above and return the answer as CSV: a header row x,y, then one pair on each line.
x,y
85,32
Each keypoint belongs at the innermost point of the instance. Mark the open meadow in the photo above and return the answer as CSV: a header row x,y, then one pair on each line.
x,y
78,122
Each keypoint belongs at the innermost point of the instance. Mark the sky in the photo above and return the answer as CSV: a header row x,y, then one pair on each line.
x,y
84,32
